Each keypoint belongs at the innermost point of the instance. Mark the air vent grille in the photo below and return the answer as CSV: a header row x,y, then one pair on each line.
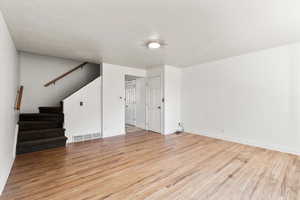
x,y
81,138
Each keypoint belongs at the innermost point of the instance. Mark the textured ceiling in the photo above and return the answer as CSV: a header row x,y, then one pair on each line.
x,y
115,31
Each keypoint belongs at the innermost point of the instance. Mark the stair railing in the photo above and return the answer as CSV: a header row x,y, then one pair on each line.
x,y
65,74
19,98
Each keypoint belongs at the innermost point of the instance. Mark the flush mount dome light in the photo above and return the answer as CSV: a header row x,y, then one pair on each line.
x,y
153,45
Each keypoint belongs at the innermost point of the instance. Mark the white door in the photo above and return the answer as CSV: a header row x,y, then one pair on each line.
x,y
130,103
154,104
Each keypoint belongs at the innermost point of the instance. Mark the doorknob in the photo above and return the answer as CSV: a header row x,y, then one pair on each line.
x,y
158,107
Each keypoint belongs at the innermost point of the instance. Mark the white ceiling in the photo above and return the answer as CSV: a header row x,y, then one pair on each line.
x,y
115,31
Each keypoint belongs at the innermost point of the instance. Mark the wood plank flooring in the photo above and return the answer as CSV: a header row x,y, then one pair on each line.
x,y
145,165
130,128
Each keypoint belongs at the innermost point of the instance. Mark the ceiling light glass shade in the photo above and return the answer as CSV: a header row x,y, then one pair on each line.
x,y
153,45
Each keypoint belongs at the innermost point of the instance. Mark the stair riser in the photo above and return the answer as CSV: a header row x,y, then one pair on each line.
x,y
39,135
58,118
33,148
50,110
27,127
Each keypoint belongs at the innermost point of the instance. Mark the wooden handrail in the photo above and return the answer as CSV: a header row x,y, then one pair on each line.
x,y
19,98
65,74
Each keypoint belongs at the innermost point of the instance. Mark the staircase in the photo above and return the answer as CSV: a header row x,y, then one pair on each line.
x,y
43,130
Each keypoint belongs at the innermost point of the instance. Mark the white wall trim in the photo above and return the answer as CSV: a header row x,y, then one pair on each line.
x,y
247,142
6,177
12,160
113,134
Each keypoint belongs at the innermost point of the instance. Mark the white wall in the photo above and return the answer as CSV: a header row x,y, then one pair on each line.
x,y
172,95
37,70
85,119
9,84
252,99
155,71
141,102
113,94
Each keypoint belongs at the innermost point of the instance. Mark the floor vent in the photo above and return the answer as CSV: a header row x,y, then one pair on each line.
x,y
81,138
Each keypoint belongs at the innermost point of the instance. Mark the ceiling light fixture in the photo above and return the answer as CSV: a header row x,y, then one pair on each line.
x,y
153,45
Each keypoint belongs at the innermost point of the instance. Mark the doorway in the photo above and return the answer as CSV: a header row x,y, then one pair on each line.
x,y
155,104
130,102
135,104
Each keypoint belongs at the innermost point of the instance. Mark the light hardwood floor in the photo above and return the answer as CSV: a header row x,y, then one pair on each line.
x,y
130,128
144,165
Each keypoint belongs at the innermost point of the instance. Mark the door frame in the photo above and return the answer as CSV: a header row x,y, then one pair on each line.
x,y
162,102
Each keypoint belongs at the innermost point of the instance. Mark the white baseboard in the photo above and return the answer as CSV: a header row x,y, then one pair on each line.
x,y
169,133
247,142
2,185
113,134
